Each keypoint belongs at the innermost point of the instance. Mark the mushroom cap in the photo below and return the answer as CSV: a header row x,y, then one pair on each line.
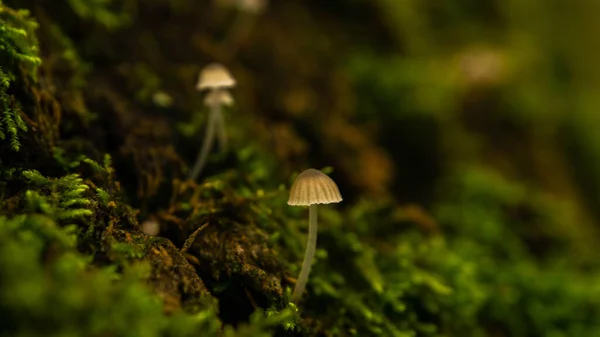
x,y
215,75
218,97
248,6
151,227
252,6
313,187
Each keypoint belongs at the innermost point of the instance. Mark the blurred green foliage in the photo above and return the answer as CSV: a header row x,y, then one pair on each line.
x,y
110,14
19,57
50,289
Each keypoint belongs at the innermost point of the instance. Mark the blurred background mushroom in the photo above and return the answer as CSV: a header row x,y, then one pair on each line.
x,y
217,80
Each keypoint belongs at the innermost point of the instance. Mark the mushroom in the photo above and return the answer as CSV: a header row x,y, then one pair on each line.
x,y
247,6
311,187
243,24
215,78
151,227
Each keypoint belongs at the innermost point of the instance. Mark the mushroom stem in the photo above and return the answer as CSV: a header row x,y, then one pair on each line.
x,y
213,115
311,246
221,132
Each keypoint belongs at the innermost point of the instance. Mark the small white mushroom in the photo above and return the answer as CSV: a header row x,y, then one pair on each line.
x,y
249,11
248,6
215,76
151,227
311,187
252,6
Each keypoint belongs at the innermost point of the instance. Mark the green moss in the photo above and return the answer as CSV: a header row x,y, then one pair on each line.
x,y
61,199
18,57
490,222
65,296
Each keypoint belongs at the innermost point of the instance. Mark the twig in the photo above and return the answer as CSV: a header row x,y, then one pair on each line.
x,y
190,240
